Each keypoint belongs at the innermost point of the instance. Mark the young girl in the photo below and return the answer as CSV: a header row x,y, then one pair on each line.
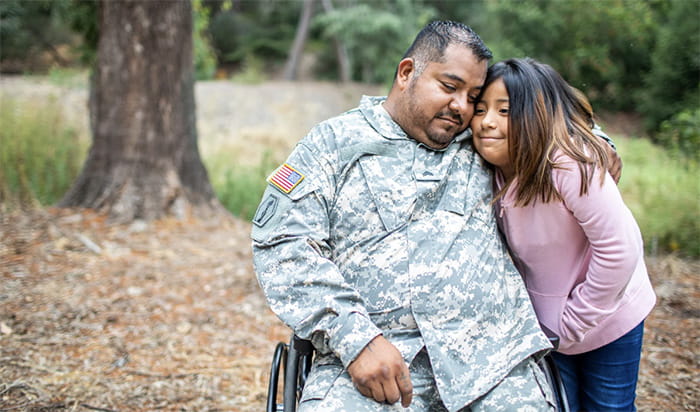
x,y
575,242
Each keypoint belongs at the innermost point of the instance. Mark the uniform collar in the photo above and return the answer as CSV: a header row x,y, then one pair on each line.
x,y
380,120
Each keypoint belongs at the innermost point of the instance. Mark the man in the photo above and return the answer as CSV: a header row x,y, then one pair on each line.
x,y
377,241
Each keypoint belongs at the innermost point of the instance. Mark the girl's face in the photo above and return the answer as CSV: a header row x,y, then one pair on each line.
x,y
490,127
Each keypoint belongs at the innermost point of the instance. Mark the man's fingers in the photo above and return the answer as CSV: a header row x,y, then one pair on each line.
x,y
364,390
406,388
376,372
391,392
377,392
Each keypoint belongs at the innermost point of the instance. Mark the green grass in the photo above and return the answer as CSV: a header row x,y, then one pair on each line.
x,y
68,77
40,155
238,187
663,192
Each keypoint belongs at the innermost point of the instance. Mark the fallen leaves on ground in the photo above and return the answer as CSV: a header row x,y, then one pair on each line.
x,y
168,315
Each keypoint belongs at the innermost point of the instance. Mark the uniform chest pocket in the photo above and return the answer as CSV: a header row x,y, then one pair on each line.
x,y
391,188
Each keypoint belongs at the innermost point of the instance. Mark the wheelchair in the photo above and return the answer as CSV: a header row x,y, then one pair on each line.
x,y
293,361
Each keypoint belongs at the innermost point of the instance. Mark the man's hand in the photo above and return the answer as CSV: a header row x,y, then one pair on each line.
x,y
379,372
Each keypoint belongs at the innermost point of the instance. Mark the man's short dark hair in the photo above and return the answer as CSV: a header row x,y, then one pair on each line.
x,y
433,39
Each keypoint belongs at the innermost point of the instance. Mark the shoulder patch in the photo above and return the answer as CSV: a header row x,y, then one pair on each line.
x,y
285,178
267,209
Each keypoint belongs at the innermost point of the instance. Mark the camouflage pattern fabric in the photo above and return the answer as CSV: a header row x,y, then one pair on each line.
x,y
371,232
525,389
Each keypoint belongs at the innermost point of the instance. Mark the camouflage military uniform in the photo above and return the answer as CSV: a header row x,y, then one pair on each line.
x,y
370,232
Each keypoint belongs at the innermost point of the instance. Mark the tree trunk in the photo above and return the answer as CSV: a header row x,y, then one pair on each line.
x,y
291,67
144,161
341,51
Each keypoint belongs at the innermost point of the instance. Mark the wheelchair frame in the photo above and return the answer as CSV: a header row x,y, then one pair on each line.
x,y
295,360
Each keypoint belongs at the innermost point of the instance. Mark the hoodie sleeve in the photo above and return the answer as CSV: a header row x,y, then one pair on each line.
x,y
616,245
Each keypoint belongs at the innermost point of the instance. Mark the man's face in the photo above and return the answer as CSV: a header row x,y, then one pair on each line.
x,y
440,101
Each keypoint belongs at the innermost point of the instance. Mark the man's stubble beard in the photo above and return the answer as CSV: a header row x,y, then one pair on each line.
x,y
417,116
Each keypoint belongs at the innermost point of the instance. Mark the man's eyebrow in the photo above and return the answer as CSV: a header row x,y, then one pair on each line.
x,y
454,77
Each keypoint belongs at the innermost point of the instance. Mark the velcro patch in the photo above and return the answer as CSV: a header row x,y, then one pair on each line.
x,y
285,178
266,210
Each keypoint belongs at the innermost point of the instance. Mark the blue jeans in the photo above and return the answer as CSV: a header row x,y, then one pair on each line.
x,y
604,379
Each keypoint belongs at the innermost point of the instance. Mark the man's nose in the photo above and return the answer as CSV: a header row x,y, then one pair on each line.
x,y
458,105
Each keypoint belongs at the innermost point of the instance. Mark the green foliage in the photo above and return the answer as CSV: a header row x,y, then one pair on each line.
x,y
673,83
82,17
30,29
204,55
600,47
260,29
376,34
40,155
681,134
238,187
663,192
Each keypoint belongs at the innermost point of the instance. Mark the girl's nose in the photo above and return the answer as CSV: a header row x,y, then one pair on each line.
x,y
488,122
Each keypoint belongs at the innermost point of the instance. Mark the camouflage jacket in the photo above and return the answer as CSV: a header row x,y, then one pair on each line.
x,y
364,231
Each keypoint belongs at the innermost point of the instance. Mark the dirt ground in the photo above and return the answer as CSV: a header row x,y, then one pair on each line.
x,y
168,316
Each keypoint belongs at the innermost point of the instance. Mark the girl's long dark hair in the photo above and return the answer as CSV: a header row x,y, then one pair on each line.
x,y
546,115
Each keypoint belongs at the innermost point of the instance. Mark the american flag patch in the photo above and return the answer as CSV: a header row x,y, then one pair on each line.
x,y
285,178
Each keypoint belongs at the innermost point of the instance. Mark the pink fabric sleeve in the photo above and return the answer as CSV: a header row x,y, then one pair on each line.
x,y
616,245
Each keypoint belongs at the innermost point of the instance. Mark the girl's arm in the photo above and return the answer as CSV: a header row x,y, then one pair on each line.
x,y
616,247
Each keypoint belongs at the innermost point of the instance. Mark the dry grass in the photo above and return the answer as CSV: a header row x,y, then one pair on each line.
x,y
160,316
168,316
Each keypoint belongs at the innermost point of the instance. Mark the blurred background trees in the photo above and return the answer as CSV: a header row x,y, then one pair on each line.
x,y
638,57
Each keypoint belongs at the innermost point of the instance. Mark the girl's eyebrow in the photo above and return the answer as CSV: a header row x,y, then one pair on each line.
x,y
506,100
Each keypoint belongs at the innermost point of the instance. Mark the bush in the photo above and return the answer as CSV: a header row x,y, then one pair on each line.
x,y
681,134
672,84
662,190
40,155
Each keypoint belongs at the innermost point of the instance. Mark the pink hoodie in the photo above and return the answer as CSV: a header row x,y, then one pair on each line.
x,y
582,260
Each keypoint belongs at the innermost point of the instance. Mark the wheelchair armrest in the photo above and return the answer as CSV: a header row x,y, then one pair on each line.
x,y
302,346
553,338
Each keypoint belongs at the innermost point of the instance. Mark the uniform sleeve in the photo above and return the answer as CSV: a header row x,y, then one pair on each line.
x,y
616,246
600,133
293,264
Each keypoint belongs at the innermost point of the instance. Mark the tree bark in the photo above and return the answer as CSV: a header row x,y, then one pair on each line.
x,y
291,67
144,161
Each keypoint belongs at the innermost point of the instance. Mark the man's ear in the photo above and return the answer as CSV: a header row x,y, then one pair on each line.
x,y
404,72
